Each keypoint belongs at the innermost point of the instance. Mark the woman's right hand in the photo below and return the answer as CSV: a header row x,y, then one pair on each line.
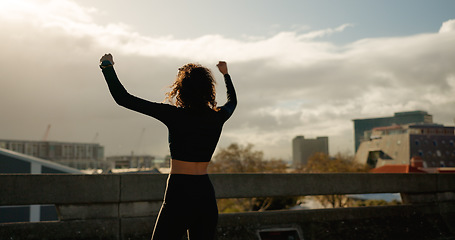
x,y
222,66
107,57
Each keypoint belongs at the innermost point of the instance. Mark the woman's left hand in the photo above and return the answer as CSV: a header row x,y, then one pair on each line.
x,y
222,66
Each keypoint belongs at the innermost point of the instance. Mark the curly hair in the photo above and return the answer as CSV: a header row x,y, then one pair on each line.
x,y
194,88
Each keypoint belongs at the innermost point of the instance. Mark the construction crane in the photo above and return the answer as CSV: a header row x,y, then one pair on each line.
x,y
46,133
139,147
95,138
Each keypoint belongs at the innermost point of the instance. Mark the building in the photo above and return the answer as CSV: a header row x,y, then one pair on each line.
x,y
433,144
303,148
131,161
363,127
75,155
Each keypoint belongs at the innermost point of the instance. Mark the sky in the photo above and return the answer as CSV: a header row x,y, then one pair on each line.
x,y
299,67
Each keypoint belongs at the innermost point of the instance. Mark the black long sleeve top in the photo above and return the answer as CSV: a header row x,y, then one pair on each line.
x,y
193,134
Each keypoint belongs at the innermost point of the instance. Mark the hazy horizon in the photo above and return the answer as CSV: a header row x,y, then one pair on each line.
x,y
299,68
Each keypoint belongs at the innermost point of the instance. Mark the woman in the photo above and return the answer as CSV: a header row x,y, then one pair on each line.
x,y
194,123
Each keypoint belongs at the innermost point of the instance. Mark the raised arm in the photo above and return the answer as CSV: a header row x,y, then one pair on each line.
x,y
231,95
123,98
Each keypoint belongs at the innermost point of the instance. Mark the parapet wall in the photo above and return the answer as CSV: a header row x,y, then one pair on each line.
x,y
125,206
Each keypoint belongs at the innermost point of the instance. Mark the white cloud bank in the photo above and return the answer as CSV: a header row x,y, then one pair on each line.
x,y
448,27
289,84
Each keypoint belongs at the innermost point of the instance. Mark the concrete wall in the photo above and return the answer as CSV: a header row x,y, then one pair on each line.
x,y
125,206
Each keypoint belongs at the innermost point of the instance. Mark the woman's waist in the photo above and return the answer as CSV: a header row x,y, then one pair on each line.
x,y
189,168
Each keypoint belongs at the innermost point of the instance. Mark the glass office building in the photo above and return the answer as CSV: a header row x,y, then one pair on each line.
x,y
363,127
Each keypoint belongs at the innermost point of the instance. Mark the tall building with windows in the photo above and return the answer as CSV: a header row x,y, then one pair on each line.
x,y
75,155
302,149
363,127
433,144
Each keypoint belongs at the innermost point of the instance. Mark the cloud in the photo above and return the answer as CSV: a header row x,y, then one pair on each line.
x,y
448,26
325,32
292,83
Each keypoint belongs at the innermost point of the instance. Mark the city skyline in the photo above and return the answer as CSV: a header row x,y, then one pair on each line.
x,y
300,68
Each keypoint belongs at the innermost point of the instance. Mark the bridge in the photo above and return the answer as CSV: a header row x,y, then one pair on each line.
x,y
124,206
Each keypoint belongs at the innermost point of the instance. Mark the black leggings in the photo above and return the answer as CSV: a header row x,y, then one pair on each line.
x,y
189,206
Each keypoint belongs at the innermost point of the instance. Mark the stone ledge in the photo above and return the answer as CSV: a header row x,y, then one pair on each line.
x,y
384,222
99,229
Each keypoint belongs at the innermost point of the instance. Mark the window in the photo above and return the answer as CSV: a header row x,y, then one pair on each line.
x,y
438,153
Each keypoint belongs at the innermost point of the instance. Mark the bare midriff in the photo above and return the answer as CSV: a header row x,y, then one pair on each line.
x,y
189,168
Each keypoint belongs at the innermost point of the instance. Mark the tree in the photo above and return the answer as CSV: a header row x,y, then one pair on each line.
x,y
322,163
374,202
237,159
243,159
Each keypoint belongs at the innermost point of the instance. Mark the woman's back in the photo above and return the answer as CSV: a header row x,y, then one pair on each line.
x,y
194,125
193,131
193,135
